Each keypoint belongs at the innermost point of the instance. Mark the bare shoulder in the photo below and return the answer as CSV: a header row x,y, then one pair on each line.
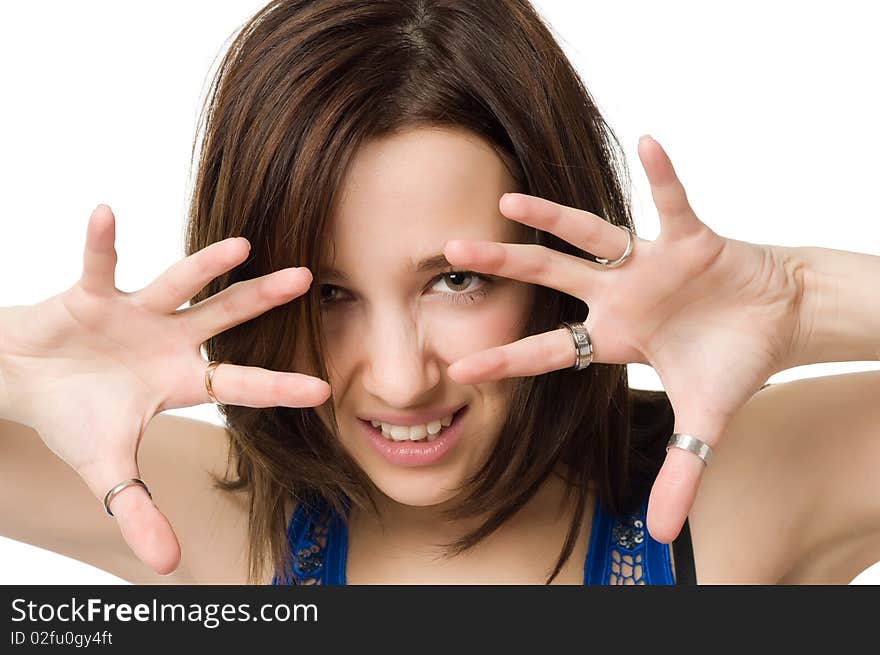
x,y
782,501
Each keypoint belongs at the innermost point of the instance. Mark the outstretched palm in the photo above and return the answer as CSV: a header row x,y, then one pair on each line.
x,y
88,368
715,317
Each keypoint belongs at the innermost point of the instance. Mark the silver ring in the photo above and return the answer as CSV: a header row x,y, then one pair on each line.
x,y
626,253
691,444
119,487
583,347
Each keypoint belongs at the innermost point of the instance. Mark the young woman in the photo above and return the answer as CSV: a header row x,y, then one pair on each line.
x,y
412,267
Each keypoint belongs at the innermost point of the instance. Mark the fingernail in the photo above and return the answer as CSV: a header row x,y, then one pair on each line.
x,y
319,386
294,269
507,198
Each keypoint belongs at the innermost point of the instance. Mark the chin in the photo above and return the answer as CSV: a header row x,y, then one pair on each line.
x,y
417,487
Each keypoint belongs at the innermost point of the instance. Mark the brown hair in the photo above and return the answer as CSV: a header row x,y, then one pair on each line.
x,y
303,85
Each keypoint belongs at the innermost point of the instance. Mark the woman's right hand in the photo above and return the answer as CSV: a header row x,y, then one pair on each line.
x,y
88,368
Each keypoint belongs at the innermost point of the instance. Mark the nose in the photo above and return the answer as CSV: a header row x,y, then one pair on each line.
x,y
402,368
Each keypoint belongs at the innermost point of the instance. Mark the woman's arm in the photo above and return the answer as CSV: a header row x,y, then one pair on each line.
x,y
826,430
840,310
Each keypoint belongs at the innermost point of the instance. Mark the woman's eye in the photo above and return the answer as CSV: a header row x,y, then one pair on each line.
x,y
326,293
458,281
459,285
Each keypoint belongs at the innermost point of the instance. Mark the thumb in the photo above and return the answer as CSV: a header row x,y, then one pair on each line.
x,y
145,529
676,485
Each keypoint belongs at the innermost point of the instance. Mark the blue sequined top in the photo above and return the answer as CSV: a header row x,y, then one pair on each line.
x,y
621,551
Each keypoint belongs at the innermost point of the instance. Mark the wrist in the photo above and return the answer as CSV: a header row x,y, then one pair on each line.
x,y
7,404
4,394
839,309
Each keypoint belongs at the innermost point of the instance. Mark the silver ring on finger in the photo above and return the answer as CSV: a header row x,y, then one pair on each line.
x,y
583,346
119,487
691,444
626,253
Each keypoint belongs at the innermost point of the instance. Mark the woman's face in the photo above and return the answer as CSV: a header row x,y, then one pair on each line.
x,y
393,327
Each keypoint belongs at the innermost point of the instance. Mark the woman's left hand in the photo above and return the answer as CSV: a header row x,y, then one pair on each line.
x,y
715,317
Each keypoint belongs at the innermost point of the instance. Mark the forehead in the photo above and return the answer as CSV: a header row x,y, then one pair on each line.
x,y
405,195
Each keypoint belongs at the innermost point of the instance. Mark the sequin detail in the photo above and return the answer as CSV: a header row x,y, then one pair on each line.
x,y
629,533
627,566
308,565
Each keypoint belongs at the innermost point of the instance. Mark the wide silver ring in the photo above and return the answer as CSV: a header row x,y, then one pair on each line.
x,y
583,347
691,444
626,253
119,487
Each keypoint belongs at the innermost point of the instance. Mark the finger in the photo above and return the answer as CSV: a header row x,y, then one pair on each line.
x,y
243,301
677,218
99,257
530,263
673,494
578,227
144,528
185,278
252,386
675,488
533,355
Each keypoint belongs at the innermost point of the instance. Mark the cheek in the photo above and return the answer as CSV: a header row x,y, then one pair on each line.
x,y
496,320
469,332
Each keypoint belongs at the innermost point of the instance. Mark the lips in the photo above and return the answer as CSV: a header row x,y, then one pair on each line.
x,y
412,453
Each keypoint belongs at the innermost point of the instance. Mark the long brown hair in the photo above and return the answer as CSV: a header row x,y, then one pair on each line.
x,y
303,85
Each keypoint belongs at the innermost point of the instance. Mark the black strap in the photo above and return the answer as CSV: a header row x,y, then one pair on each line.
x,y
683,554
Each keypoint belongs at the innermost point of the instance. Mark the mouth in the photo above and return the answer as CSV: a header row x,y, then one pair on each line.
x,y
422,451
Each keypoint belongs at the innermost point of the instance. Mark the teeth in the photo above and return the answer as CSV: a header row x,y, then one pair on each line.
x,y
413,432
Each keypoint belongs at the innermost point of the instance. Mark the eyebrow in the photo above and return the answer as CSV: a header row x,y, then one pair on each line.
x,y
432,263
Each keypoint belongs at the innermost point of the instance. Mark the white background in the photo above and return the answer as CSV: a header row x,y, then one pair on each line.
x,y
768,112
